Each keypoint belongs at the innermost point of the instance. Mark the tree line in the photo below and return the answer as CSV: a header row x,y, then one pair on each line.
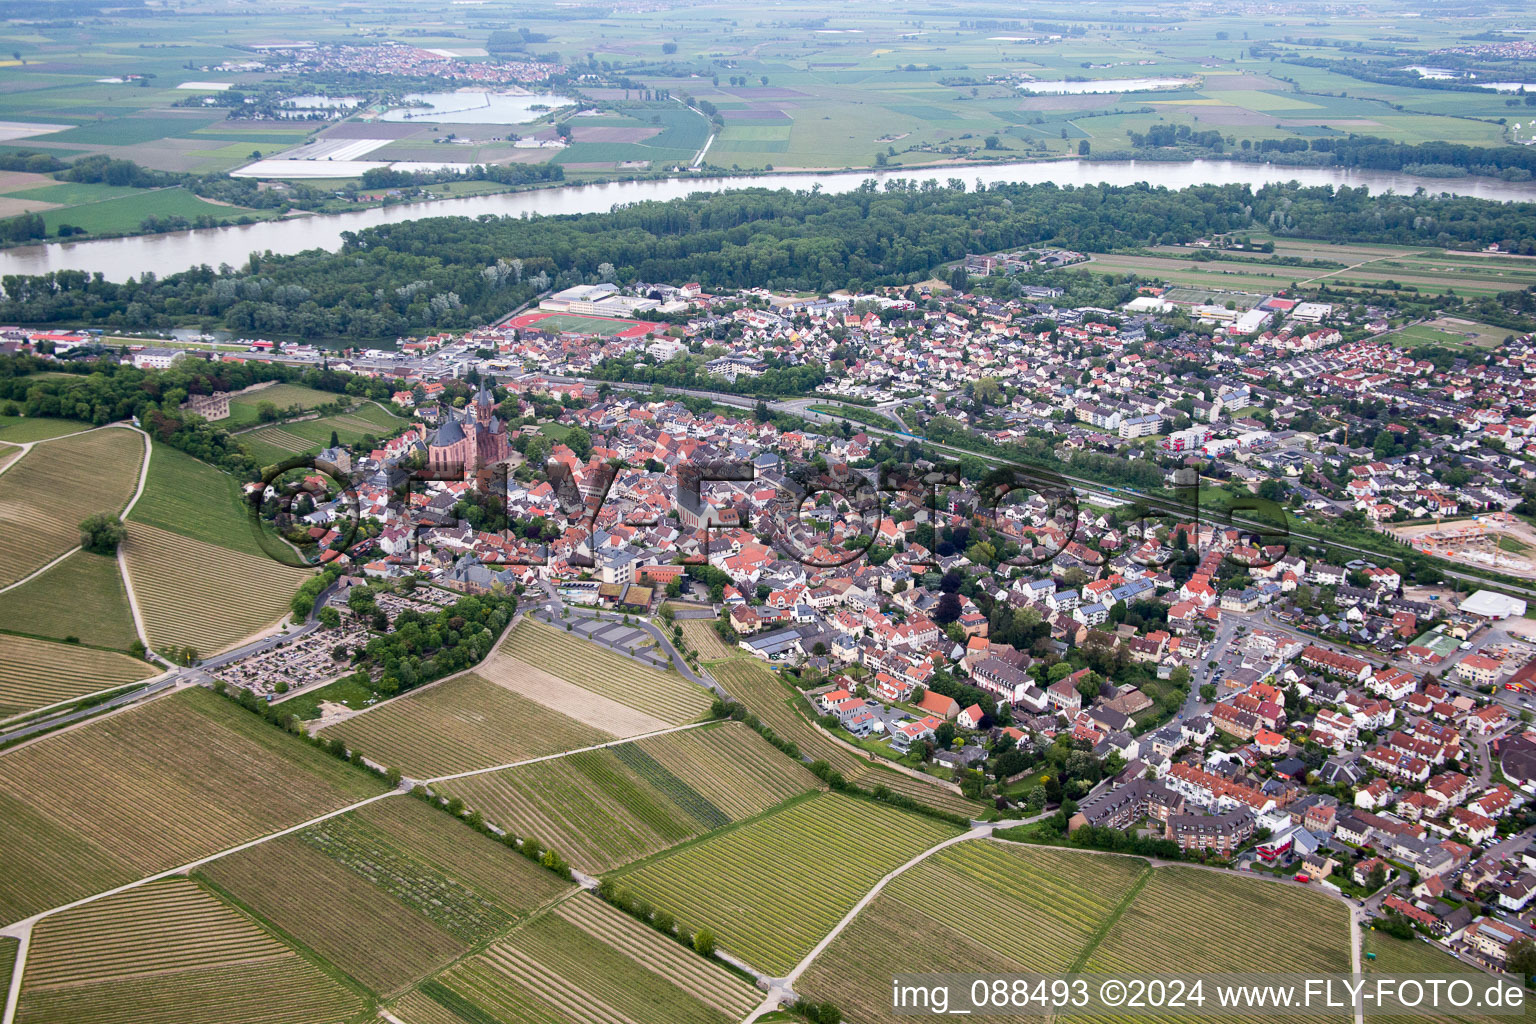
x,y
439,273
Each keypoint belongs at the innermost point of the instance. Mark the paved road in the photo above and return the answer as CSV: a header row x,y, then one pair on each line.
x,y
159,684
551,606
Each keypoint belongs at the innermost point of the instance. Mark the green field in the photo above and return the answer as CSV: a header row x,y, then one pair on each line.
x,y
244,408
577,324
389,893
274,444
47,492
772,888
191,774
20,430
1448,333
82,598
196,500
605,808
124,214
172,948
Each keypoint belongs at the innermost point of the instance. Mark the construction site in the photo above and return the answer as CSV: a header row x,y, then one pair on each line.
x,y
1493,540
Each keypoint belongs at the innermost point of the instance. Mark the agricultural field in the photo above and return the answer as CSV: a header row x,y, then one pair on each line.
x,y
190,774
81,598
747,681
664,695
605,808
1043,910
190,497
22,429
701,636
37,673
583,962
593,709
1304,931
1359,266
388,893
1416,958
273,444
199,595
171,952
125,214
245,408
768,889
459,725
47,492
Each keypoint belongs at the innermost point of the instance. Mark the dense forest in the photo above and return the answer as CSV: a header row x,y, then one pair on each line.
x,y
456,272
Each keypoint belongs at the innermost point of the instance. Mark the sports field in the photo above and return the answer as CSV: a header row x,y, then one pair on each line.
x,y
663,695
605,808
150,788
773,887
171,952
571,323
38,673
460,724
47,492
81,598
1449,332
389,893
197,594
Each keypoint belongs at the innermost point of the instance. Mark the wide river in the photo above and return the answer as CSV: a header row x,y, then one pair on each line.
x,y
121,258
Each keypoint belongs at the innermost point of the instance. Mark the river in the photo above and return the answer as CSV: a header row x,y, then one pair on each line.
x,y
121,258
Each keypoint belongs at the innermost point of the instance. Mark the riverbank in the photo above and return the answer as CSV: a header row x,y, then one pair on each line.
x,y
170,253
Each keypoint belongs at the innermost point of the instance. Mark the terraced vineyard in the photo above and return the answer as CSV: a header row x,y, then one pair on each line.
x,y
197,594
760,690
773,887
556,971
170,953
701,635
244,407
45,495
608,807
37,673
1303,931
1042,910
700,978
388,893
196,500
81,597
1395,956
150,788
458,725
665,695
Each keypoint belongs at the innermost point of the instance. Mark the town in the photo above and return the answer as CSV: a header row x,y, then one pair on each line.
x,y
1358,719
